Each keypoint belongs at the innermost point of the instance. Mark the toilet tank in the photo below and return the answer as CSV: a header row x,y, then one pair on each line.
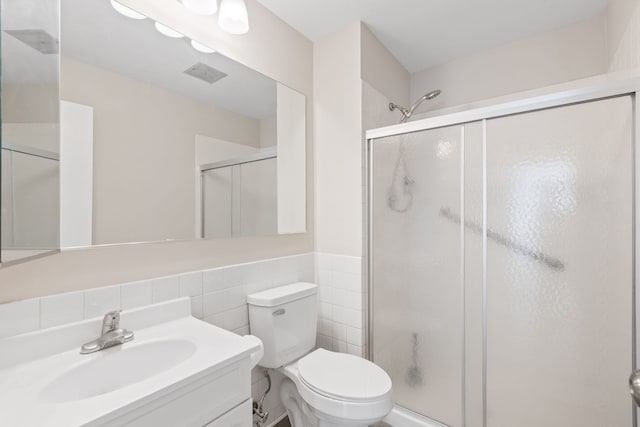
x,y
285,319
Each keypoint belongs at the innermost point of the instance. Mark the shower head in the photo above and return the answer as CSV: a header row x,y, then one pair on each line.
x,y
431,95
406,113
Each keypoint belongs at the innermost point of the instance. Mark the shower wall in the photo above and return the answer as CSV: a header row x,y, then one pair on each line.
x,y
501,267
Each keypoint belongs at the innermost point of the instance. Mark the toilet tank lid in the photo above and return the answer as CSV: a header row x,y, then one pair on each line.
x,y
282,294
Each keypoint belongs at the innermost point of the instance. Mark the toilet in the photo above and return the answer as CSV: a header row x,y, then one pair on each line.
x,y
321,388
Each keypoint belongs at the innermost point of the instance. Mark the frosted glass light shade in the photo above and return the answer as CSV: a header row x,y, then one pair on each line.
x,y
201,48
126,11
169,32
201,7
233,17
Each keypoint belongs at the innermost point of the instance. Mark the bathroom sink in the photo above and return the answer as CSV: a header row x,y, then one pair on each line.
x,y
117,367
177,370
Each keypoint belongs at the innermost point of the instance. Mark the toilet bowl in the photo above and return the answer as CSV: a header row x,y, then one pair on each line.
x,y
322,388
335,389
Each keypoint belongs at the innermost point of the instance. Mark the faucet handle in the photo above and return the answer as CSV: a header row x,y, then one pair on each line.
x,y
111,321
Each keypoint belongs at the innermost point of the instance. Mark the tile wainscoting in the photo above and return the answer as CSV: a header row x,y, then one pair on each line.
x,y
342,302
218,296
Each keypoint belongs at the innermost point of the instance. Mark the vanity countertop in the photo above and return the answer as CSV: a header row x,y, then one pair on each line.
x,y
45,381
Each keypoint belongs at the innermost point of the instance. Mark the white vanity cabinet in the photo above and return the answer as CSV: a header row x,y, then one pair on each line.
x,y
177,372
239,416
222,399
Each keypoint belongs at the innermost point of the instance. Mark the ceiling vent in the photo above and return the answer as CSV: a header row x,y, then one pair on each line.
x,y
205,73
40,40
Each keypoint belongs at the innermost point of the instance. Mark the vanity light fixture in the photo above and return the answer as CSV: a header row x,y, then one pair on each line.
x,y
201,48
201,7
233,17
169,32
126,11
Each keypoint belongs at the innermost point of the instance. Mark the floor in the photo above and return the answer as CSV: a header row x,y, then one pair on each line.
x,y
285,423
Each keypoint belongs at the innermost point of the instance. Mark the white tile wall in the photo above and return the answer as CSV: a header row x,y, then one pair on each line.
x,y
60,309
218,296
135,294
340,324
19,317
165,288
99,301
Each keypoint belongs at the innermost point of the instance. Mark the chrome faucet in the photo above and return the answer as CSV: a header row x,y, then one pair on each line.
x,y
111,334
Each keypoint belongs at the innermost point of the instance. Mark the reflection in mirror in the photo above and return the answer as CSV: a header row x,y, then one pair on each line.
x,y
147,123
30,126
239,195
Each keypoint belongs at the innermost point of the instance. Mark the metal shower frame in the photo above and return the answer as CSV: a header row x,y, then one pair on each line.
x,y
568,94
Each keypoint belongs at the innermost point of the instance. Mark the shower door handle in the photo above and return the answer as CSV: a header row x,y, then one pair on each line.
x,y
634,386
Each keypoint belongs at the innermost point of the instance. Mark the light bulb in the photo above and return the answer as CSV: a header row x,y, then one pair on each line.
x,y
126,11
201,7
169,32
201,48
233,17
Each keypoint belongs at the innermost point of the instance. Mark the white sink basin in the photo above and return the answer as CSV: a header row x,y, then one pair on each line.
x,y
46,382
117,367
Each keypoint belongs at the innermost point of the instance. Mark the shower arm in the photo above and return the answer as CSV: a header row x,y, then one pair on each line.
x,y
405,113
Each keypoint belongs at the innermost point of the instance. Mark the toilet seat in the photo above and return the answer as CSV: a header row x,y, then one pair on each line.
x,y
343,376
332,399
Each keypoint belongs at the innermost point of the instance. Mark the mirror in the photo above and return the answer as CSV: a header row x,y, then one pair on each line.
x,y
162,139
30,128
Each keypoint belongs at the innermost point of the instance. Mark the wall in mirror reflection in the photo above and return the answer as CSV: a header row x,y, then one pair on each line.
x,y
133,120
30,126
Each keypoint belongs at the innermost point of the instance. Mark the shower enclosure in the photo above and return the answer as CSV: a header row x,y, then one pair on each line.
x,y
30,200
239,196
501,262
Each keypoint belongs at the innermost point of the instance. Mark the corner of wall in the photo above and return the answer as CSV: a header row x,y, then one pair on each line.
x,y
623,34
381,69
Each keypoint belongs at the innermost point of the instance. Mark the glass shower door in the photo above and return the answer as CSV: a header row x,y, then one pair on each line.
x,y
559,266
417,269
501,263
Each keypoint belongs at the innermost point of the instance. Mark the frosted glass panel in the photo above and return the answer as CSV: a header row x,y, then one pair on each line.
x,y
240,200
217,199
259,204
559,266
417,274
558,263
30,205
6,192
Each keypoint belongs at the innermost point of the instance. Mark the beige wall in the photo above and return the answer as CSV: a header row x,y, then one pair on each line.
x,y
343,63
30,103
29,184
144,151
382,70
566,54
268,132
271,47
338,154
623,35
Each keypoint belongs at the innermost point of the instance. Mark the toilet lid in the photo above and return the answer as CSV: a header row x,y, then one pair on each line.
x,y
343,376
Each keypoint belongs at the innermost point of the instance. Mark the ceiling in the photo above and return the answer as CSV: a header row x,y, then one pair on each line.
x,y
33,67
425,33
94,33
